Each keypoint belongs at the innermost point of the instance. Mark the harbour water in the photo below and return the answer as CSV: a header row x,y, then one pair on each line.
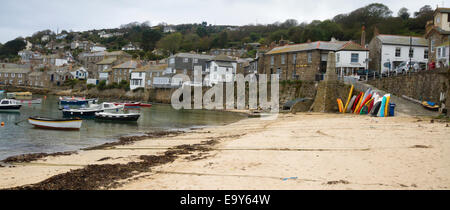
x,y
17,136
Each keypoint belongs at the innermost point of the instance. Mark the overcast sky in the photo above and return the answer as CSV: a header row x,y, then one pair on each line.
x,y
24,17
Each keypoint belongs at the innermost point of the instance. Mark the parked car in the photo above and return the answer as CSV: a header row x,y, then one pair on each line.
x,y
404,67
363,72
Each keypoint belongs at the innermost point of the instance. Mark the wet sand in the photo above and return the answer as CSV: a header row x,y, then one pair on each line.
x,y
302,151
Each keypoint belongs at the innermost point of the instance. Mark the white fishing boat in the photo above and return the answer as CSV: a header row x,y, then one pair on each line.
x,y
9,105
56,124
91,110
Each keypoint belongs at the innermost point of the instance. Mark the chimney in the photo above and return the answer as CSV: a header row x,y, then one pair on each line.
x,y
333,39
363,36
376,32
309,41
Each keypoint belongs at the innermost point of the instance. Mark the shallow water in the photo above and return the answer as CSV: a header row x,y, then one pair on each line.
x,y
24,138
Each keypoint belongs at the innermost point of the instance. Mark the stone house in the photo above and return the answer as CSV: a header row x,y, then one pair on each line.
x,y
123,71
185,63
437,31
38,79
307,61
387,52
13,75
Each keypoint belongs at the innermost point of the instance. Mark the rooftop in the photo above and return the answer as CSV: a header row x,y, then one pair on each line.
x,y
191,55
402,40
127,65
319,45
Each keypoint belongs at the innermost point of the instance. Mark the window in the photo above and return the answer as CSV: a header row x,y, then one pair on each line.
x,y
398,52
338,57
411,52
140,74
6,74
272,60
172,61
439,52
444,52
185,71
215,68
309,57
294,58
195,60
355,58
432,45
19,75
185,60
425,54
13,75
283,59
0,74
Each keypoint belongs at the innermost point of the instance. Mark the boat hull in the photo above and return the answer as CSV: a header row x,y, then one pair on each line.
x,y
78,113
10,108
117,117
70,124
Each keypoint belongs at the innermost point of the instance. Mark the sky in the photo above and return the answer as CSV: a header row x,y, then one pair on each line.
x,y
25,17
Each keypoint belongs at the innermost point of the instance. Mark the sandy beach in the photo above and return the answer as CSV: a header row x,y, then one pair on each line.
x,y
302,151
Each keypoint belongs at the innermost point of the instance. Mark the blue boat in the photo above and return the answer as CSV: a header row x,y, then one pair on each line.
x,y
76,101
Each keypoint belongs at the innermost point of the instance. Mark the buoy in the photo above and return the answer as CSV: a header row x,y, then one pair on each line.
x,y
3,124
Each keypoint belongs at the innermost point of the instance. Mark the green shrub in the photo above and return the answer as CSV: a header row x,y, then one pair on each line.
x,y
101,85
90,86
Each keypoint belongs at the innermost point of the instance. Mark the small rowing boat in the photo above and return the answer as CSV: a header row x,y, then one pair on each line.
x,y
134,105
56,124
430,106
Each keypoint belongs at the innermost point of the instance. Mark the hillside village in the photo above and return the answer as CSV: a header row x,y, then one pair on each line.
x,y
83,60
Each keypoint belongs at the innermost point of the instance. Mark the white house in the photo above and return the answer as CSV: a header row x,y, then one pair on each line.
x,y
221,69
97,48
61,61
351,57
388,51
80,73
130,47
137,79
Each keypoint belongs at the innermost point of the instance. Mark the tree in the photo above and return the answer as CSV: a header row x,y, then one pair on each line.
x,y
149,39
11,48
403,13
171,43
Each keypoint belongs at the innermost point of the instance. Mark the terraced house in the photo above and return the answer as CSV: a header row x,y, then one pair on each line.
x,y
308,61
123,71
11,74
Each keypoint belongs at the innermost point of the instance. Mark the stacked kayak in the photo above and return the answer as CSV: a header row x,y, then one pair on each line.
x,y
370,102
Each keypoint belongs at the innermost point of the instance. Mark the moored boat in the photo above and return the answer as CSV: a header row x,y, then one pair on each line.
x,y
33,101
430,106
90,111
21,95
130,105
56,124
76,101
134,105
113,117
9,105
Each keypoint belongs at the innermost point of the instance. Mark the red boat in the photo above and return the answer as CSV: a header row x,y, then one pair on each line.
x,y
131,105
